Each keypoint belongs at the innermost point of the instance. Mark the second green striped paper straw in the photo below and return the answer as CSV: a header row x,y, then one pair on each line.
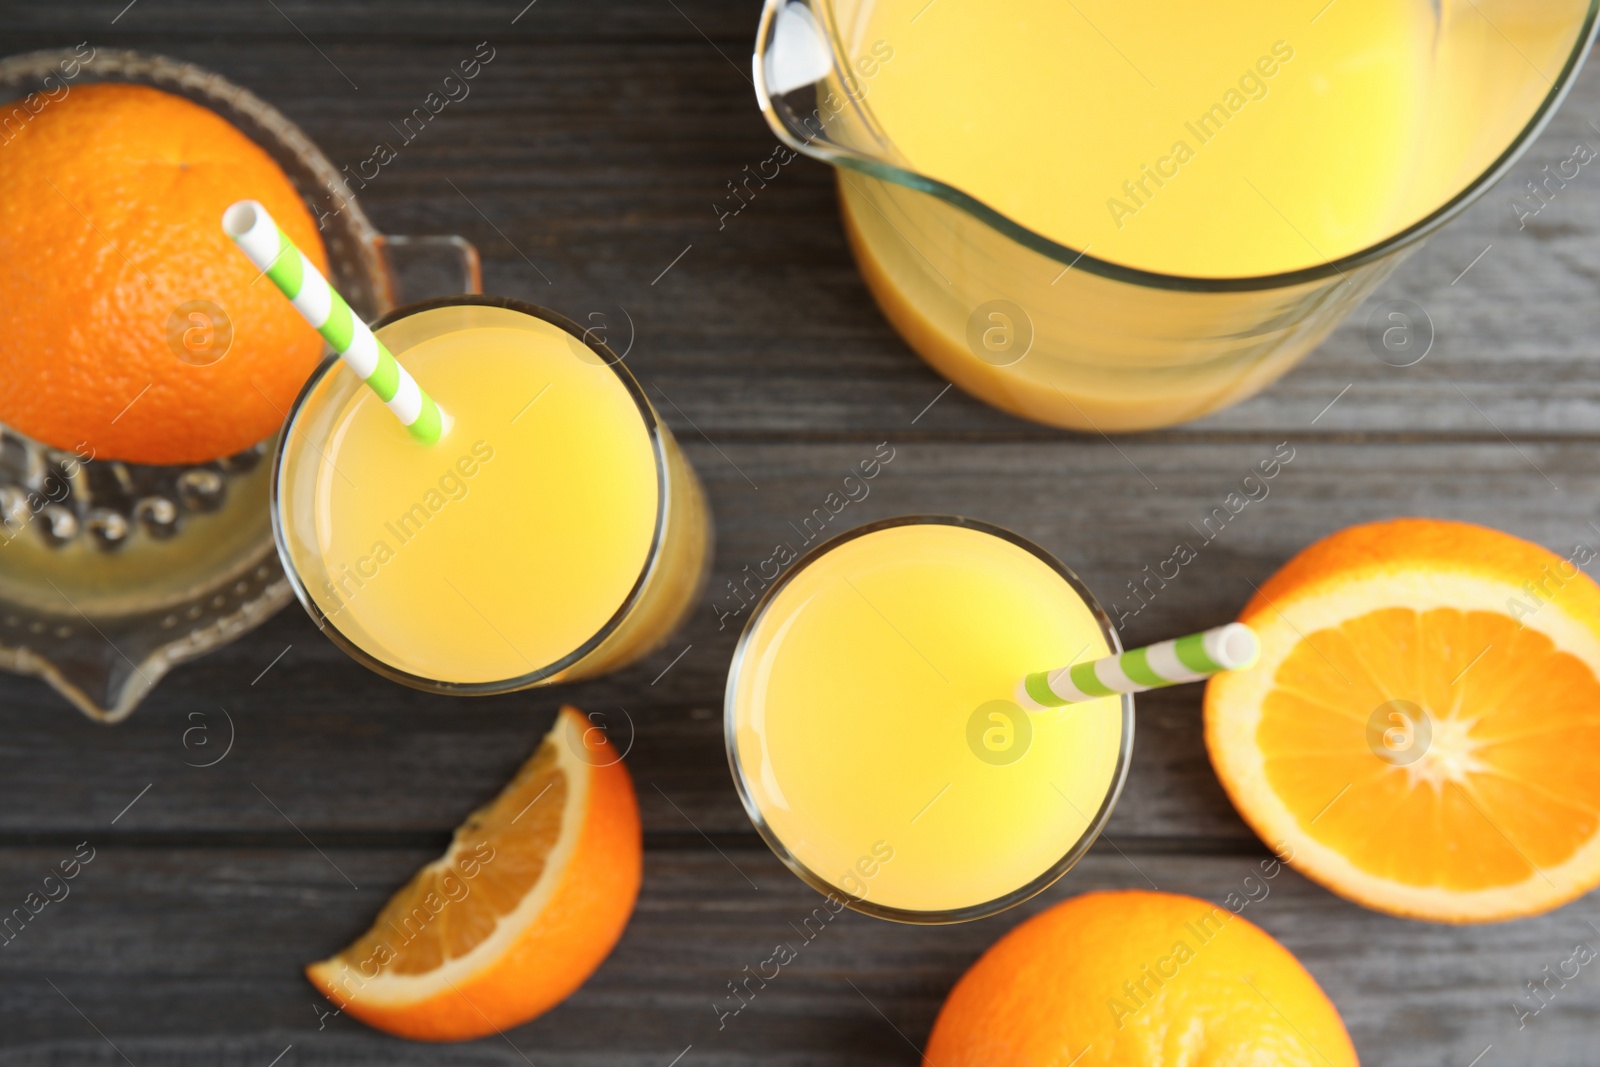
x,y
1185,659
270,249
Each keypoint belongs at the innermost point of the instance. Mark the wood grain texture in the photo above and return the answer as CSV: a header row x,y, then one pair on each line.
x,y
588,156
594,162
401,25
193,955
316,727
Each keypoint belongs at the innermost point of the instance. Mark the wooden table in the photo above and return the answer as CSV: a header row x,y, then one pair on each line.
x,y
587,159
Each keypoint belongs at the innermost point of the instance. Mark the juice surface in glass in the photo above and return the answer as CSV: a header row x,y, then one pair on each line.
x,y
515,541
871,731
1231,139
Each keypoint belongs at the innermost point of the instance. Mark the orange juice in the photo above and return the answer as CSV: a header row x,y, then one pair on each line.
x,y
871,730
1115,217
1231,139
553,518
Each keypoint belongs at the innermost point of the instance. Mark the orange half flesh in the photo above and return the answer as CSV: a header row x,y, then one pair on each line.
x,y
1420,731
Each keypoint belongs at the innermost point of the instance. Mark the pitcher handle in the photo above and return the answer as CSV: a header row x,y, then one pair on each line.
x,y
422,268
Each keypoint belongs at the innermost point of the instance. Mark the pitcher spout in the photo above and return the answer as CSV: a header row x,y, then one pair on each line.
x,y
813,92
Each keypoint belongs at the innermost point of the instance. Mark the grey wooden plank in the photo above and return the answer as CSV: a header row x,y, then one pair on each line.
x,y
596,165
345,753
185,955
354,22
351,759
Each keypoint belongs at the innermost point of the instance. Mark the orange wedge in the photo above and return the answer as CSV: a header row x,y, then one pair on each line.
x,y
530,897
1421,731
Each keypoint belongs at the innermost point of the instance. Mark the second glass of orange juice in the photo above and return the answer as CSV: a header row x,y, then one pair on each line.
x,y
872,735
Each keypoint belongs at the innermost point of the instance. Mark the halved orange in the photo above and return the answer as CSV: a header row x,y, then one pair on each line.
x,y
530,897
1420,733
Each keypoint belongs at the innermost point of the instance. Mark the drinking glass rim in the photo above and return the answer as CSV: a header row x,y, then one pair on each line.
x,y
839,156
653,429
946,916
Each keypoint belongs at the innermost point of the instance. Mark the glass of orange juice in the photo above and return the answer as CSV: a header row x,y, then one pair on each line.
x,y
553,532
871,731
1113,217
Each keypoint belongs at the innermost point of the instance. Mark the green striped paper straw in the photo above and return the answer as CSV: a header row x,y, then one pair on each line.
x,y
270,249
1186,659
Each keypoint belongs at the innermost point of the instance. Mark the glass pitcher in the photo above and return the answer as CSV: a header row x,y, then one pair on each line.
x,y
1096,335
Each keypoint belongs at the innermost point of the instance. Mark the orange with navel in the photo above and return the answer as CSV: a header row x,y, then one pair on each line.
x,y
1421,730
130,327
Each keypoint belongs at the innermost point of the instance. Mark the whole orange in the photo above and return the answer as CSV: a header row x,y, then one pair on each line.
x,y
1136,978
130,327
